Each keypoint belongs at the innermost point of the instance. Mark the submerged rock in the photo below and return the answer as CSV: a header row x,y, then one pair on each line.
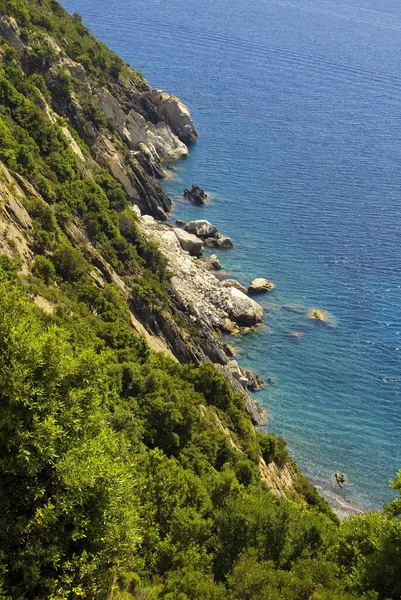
x,y
201,228
180,222
260,286
296,334
196,195
189,242
318,314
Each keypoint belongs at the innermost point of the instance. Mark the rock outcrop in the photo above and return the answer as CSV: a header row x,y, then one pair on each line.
x,y
158,140
176,114
10,33
260,286
201,228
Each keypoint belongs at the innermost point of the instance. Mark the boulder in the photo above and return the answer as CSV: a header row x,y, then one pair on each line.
x,y
180,222
260,286
243,309
235,284
221,241
196,195
189,242
201,228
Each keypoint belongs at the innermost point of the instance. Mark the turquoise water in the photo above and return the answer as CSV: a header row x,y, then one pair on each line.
x,y
298,108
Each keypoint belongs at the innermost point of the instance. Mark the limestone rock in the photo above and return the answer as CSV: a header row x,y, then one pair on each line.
x,y
235,284
189,242
140,188
196,195
260,286
159,140
176,114
233,368
244,310
201,228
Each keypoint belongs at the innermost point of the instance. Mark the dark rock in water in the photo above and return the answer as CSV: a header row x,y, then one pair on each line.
x,y
255,382
180,222
196,195
201,228
340,478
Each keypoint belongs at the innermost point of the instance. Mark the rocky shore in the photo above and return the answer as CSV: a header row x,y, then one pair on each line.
x,y
210,306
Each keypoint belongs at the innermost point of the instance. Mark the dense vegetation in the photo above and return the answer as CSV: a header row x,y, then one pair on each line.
x,y
124,474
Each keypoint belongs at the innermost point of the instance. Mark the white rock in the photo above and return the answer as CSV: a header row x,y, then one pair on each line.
x,y
189,242
235,284
201,228
176,114
244,310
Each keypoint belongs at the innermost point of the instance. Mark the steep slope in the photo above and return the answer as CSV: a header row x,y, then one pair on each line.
x,y
128,465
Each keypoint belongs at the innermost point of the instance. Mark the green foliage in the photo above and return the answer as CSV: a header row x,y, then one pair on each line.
x,y
44,268
273,448
124,474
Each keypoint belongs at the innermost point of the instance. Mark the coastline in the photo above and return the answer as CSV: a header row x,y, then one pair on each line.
x,y
342,507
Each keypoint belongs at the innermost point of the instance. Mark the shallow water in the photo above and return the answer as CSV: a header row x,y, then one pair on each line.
x,y
298,109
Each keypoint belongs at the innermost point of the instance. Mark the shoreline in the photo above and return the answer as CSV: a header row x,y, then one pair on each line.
x,y
342,507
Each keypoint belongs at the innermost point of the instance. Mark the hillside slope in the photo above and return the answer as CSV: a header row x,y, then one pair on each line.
x,y
129,467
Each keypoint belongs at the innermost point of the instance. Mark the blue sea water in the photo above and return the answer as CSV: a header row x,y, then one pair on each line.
x,y
298,108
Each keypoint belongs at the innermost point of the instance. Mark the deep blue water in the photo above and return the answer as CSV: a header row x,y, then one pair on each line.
x,y
298,108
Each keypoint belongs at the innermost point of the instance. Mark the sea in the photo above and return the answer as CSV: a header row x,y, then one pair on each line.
x,y
298,109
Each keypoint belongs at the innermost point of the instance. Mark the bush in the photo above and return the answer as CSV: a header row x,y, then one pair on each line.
x,y
273,449
44,268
